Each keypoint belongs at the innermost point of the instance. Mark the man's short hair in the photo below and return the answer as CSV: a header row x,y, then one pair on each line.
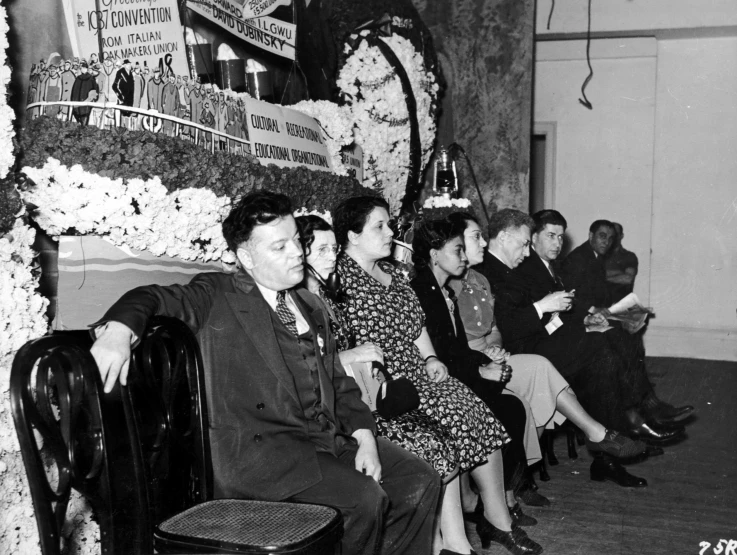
x,y
618,229
593,228
257,208
508,218
545,217
352,215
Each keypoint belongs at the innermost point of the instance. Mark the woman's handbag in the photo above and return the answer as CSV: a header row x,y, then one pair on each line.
x,y
396,396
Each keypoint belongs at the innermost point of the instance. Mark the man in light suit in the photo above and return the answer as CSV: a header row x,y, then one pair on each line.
x,y
286,423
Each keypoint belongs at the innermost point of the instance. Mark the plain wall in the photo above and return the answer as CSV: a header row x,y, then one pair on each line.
x,y
604,156
694,239
651,17
657,153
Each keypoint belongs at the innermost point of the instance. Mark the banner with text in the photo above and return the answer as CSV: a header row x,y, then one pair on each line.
x,y
254,8
286,137
140,30
267,33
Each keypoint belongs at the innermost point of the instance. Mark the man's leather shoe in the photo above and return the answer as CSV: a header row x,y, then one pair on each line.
x,y
617,445
516,540
532,498
644,430
658,436
664,412
519,518
608,469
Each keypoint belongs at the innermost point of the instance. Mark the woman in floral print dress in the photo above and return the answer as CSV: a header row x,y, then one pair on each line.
x,y
380,307
414,430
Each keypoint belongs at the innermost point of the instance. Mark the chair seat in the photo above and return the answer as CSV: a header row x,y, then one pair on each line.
x,y
247,526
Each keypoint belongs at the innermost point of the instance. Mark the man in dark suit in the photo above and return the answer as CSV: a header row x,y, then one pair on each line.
x,y
584,270
286,423
621,267
530,300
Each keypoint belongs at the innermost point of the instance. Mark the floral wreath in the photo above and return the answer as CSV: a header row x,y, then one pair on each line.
x,y
384,111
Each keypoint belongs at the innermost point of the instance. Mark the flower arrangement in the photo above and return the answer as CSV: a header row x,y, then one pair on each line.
x,y
22,317
440,207
11,205
7,158
179,164
327,216
337,123
140,214
381,115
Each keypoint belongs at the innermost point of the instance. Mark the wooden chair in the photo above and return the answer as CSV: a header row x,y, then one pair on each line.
x,y
573,436
140,454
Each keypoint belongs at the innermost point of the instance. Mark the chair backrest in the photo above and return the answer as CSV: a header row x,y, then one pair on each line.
x,y
139,454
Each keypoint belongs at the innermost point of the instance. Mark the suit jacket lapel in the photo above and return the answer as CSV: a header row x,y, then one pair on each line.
x,y
543,270
254,316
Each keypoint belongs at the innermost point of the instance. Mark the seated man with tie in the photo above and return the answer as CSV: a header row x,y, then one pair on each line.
x,y
531,306
584,270
286,423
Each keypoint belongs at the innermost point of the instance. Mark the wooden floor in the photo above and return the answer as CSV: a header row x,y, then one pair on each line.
x,y
692,492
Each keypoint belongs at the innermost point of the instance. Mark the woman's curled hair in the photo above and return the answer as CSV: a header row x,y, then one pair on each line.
x,y
434,234
352,215
307,226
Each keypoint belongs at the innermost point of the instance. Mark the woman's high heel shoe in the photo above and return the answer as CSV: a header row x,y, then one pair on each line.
x,y
516,541
449,552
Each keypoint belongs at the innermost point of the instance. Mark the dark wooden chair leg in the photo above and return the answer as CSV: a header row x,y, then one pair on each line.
x,y
571,440
544,476
549,447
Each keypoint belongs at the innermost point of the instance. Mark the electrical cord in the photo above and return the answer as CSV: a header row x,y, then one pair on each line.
x,y
585,100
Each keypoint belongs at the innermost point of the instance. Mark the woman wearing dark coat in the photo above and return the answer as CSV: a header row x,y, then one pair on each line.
x,y
473,368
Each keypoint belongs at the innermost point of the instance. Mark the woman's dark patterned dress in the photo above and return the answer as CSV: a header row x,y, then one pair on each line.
x,y
452,428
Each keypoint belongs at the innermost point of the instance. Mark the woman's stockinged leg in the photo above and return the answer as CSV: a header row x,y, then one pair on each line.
x,y
489,478
452,528
469,498
568,405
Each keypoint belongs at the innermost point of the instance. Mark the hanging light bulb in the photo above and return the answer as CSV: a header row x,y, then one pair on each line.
x,y
445,182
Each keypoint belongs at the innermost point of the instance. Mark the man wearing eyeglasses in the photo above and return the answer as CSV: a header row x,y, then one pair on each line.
x,y
529,301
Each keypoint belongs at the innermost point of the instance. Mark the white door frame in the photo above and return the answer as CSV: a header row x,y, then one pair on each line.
x,y
548,129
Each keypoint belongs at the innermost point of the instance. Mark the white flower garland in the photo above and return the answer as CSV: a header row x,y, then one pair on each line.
x,y
140,214
381,116
443,202
327,216
337,123
7,159
22,317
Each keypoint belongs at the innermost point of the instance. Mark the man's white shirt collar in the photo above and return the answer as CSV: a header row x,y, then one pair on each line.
x,y
270,297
